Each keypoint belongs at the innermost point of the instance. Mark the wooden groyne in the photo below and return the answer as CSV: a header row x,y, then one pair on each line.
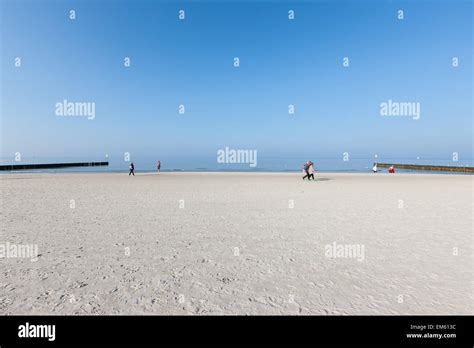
x,y
426,167
52,165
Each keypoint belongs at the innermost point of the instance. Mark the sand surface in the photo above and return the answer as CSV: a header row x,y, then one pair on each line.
x,y
237,243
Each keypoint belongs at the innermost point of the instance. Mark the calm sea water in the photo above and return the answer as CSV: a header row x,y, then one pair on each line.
x,y
269,164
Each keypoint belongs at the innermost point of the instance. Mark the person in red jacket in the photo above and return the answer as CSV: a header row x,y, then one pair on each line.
x,y
391,170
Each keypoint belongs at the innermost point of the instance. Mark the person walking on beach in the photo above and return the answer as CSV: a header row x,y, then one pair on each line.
x,y
158,165
306,169
311,170
374,169
132,169
391,170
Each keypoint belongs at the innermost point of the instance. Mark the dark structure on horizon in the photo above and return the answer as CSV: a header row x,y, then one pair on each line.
x,y
52,165
427,167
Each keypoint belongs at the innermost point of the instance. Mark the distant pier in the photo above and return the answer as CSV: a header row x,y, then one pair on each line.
x,y
426,167
52,165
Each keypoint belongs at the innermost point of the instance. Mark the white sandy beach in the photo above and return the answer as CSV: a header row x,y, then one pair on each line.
x,y
237,243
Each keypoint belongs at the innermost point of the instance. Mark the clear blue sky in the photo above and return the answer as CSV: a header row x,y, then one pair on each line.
x,y
190,62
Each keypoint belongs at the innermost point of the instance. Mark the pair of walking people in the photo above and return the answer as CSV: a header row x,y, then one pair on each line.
x,y
131,167
308,168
